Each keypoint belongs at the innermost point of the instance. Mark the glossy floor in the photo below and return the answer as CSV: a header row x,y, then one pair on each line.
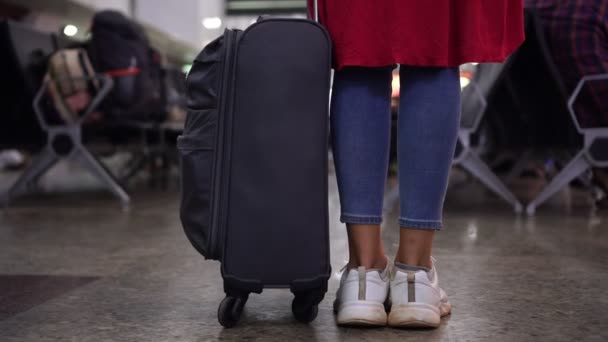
x,y
77,268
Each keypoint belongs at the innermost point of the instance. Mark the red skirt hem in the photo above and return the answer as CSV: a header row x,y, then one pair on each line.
x,y
424,61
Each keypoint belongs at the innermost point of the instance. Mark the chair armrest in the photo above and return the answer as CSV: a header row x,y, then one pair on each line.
x,y
574,96
106,85
483,105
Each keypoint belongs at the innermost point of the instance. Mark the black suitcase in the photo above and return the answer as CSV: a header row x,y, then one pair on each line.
x,y
254,162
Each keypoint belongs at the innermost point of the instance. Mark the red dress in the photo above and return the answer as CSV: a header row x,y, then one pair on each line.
x,y
422,32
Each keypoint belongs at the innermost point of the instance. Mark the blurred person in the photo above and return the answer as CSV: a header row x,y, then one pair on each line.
x,y
577,33
429,40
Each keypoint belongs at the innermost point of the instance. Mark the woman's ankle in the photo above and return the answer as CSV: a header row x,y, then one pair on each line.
x,y
415,247
378,262
414,260
365,246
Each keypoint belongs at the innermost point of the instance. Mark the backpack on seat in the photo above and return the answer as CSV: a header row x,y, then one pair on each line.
x,y
70,78
119,48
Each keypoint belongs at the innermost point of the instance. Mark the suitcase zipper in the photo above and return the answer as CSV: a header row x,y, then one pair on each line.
x,y
216,236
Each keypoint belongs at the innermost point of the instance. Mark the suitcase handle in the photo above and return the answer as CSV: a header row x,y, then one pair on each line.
x,y
316,10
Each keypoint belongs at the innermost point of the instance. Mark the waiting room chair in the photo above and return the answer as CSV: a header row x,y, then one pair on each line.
x,y
475,98
594,150
64,141
24,57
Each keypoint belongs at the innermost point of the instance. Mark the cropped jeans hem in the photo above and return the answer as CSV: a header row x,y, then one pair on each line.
x,y
405,222
360,219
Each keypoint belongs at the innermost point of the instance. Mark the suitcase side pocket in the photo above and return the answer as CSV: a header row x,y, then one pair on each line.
x,y
197,157
203,81
199,153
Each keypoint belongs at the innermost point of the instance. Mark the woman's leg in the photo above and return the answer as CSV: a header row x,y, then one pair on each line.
x,y
428,127
429,117
360,119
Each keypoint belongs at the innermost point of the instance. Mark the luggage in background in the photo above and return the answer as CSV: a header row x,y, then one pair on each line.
x,y
119,47
175,94
69,87
254,162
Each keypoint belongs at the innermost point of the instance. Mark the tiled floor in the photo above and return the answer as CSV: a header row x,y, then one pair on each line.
x,y
103,274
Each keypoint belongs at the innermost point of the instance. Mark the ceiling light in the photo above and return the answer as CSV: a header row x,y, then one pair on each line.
x,y
212,23
70,30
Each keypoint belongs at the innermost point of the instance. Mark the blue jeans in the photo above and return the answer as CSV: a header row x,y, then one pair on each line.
x,y
429,116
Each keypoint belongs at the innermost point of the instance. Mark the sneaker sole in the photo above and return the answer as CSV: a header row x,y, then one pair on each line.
x,y
417,315
362,313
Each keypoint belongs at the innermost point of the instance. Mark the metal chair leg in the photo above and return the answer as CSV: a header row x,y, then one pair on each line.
x,y
41,164
93,165
473,164
135,164
573,170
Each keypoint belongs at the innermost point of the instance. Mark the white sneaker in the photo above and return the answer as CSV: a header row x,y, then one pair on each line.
x,y
417,300
361,297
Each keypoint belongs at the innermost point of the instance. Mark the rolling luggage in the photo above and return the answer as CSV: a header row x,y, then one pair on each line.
x,y
254,162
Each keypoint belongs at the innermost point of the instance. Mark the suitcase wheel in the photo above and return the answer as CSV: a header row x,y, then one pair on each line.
x,y
305,308
230,310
